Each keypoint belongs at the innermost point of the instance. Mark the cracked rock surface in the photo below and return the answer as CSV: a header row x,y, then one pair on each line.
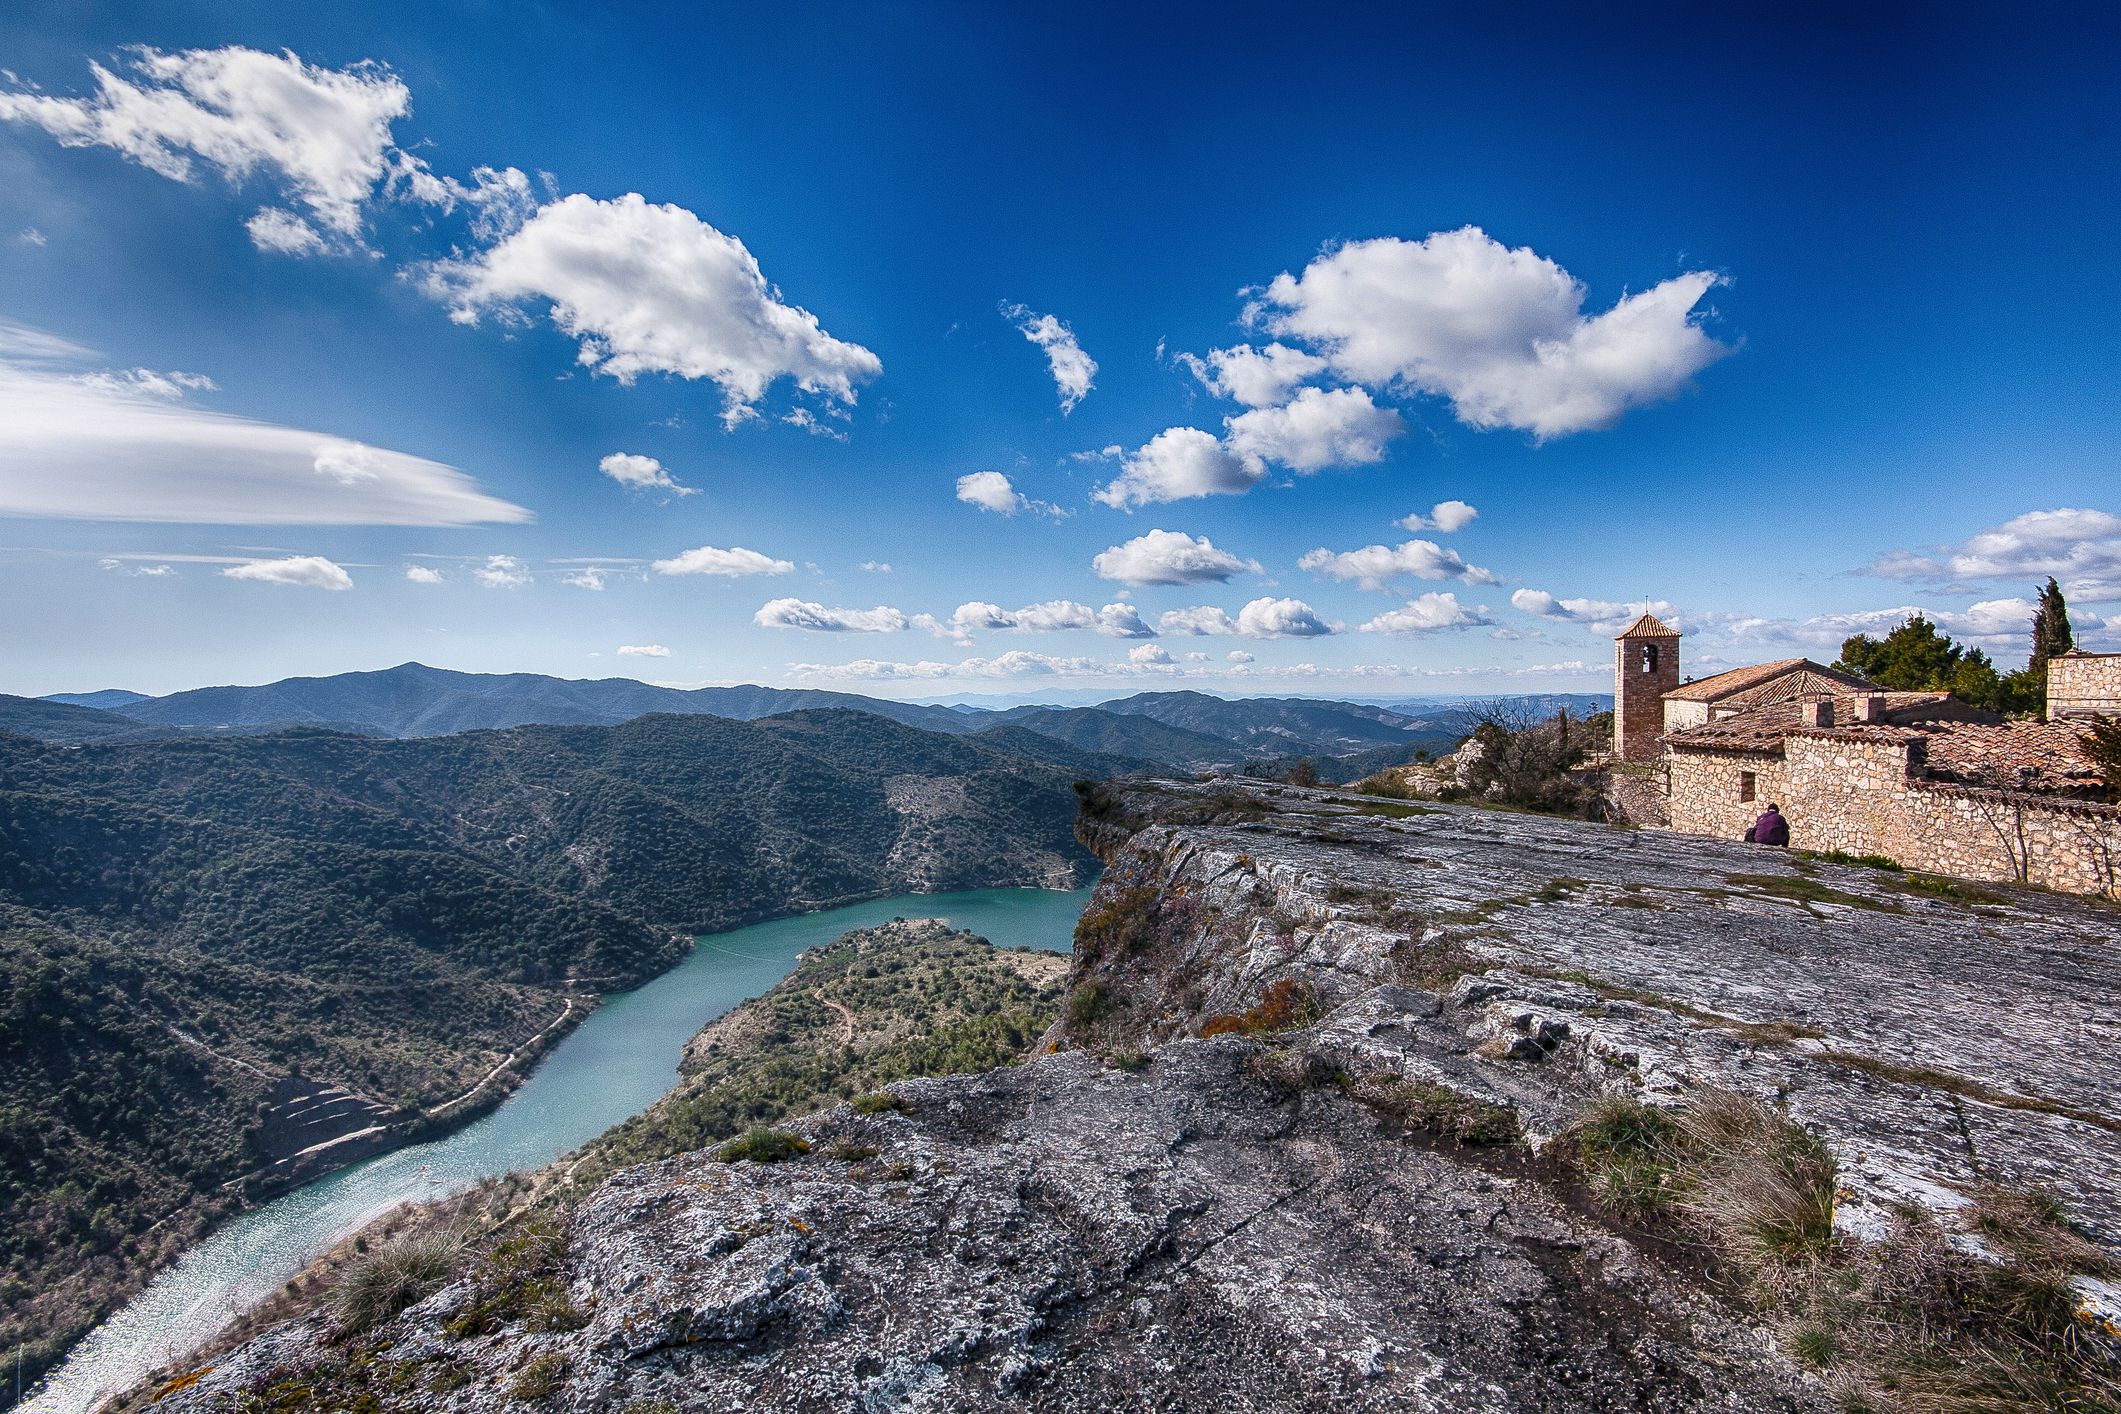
x,y
1063,1236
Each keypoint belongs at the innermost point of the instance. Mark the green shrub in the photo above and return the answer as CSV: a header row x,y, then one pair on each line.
x,y
876,1102
762,1145
540,1378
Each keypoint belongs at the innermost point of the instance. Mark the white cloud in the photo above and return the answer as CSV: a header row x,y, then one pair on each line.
x,y
170,387
1265,617
654,289
31,236
875,567
643,650
1599,615
1501,333
307,571
2079,547
2000,626
125,446
590,577
1169,557
798,613
1426,614
321,136
1444,516
1199,621
423,574
1256,377
283,233
639,473
1149,655
1320,428
1052,616
141,571
730,563
502,572
1280,618
1176,464
1073,370
1239,657
993,491
1377,566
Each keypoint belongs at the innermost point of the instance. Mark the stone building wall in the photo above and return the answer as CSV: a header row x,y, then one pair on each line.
x,y
1679,714
2080,684
1858,797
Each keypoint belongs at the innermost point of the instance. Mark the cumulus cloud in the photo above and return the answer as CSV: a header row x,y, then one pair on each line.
x,y
1426,614
423,574
1256,377
1199,621
649,288
1280,618
875,567
1318,429
1149,655
1377,566
1500,333
639,473
1169,557
304,571
319,136
1176,464
730,564
127,446
993,491
590,577
502,572
1052,616
817,618
2079,547
643,650
1073,370
1239,657
1444,516
1599,615
1265,617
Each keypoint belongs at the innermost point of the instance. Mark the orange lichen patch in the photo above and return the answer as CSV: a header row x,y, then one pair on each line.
x,y
1284,1004
183,1381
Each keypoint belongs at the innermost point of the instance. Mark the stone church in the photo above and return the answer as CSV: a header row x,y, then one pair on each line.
x,y
1919,778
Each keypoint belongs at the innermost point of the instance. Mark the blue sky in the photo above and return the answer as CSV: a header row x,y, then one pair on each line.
x,y
1784,321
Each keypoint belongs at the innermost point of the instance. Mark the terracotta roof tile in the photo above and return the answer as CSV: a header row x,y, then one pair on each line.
x,y
1710,689
1648,626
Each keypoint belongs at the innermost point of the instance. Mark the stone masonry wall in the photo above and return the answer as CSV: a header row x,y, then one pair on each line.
x,y
1638,695
2082,683
1858,797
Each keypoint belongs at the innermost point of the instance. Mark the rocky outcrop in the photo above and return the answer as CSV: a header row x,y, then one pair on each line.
x,y
1941,1037
1290,1145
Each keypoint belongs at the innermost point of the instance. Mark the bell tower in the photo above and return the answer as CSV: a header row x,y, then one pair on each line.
x,y
1645,668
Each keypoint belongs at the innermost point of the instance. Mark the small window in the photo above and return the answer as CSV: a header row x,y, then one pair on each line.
x,y
1649,657
1746,785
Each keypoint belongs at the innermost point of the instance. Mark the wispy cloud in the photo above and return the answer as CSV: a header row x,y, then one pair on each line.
x,y
1074,371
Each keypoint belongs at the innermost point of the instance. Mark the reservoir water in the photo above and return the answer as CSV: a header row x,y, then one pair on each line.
x,y
614,1065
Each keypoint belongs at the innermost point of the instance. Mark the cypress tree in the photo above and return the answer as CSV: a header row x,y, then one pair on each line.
x,y
2051,630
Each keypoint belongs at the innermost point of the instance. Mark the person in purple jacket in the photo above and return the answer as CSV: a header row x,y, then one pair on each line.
x,y
1770,828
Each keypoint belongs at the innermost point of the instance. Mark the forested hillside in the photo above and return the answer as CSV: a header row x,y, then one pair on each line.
x,y
186,926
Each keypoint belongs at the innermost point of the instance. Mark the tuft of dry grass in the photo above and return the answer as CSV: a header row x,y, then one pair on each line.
x,y
379,1283
1911,1324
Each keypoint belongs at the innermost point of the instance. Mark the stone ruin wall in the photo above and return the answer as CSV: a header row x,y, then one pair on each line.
x,y
2080,684
1858,798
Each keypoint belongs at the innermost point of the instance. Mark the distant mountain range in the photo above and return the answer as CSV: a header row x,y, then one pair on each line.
x,y
1189,731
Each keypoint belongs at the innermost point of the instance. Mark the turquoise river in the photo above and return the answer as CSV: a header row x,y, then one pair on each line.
x,y
614,1065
